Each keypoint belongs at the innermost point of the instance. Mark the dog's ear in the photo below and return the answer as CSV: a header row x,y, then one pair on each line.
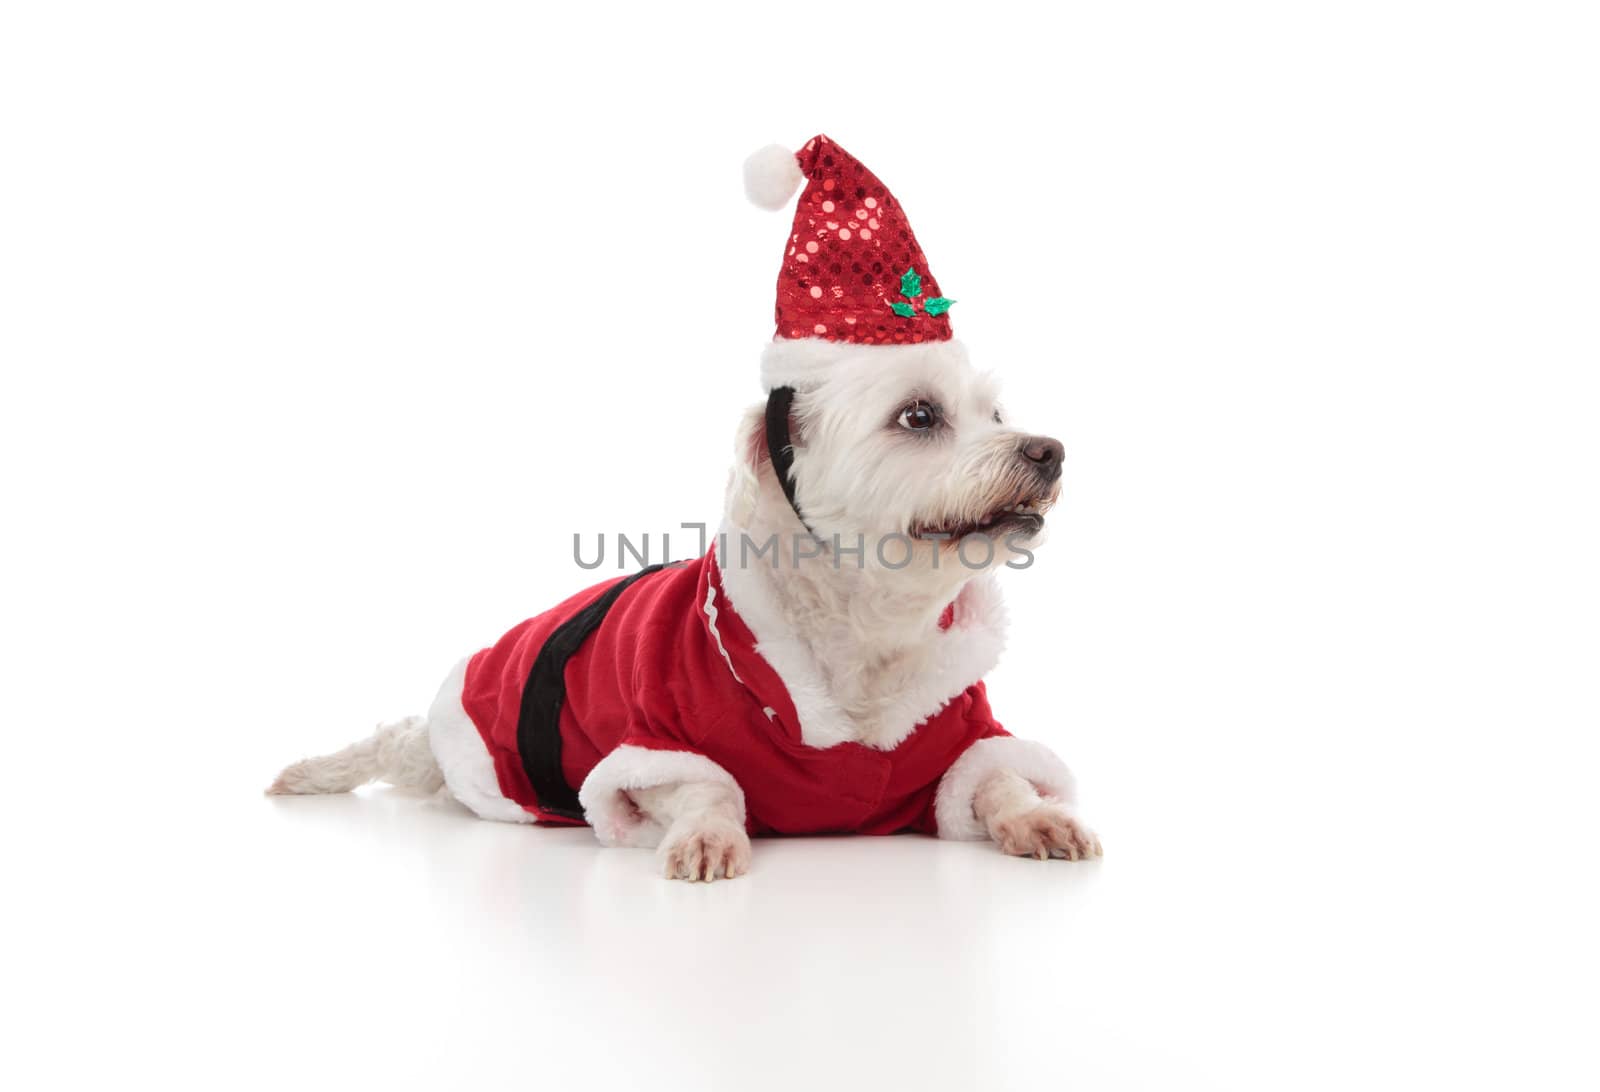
x,y
749,453
751,460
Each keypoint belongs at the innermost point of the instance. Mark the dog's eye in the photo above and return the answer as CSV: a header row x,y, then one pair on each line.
x,y
919,416
997,418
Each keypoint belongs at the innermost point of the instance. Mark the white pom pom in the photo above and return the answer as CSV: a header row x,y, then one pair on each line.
x,y
771,175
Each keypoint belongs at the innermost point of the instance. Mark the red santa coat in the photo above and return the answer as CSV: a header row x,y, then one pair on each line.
x,y
647,679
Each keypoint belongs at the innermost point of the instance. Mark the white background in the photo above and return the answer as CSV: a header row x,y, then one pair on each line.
x,y
325,325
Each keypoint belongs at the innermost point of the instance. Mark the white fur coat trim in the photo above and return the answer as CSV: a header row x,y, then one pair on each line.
x,y
962,655
606,806
805,361
462,757
952,807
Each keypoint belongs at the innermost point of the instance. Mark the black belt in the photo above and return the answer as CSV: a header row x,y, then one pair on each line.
x,y
539,722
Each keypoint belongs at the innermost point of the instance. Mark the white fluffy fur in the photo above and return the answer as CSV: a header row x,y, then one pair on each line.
x,y
855,474
615,816
397,752
1021,821
771,175
704,822
922,680
858,646
463,760
804,362
959,787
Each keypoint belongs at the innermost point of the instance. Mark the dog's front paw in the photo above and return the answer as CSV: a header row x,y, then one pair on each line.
x,y
1045,831
705,848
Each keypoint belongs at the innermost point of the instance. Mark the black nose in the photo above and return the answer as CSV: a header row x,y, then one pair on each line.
x,y
1045,454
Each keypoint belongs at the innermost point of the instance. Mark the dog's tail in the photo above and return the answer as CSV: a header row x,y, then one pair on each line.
x,y
397,752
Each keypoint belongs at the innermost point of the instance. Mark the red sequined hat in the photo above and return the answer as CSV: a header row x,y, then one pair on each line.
x,y
852,272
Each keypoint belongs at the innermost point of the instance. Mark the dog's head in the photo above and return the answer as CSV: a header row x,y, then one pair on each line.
x,y
905,442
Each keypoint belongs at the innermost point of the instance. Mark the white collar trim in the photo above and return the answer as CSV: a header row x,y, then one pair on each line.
x,y
964,654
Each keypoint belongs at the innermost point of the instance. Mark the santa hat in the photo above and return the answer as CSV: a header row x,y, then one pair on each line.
x,y
853,274
854,285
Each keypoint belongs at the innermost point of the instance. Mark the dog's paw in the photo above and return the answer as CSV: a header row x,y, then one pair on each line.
x,y
705,849
1045,831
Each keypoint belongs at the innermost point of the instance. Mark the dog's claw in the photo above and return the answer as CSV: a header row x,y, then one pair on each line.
x,y
1045,832
705,850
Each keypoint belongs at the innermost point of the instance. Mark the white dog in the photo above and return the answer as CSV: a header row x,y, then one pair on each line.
x,y
819,669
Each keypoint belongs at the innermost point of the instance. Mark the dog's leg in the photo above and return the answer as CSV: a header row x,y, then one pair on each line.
x,y
705,837
1024,823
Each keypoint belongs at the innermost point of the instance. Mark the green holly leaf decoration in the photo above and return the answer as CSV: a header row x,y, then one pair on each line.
x,y
911,288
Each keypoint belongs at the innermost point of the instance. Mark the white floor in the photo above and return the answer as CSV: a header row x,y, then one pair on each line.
x,y
384,939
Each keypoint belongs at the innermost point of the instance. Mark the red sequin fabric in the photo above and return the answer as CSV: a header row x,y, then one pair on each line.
x,y
850,249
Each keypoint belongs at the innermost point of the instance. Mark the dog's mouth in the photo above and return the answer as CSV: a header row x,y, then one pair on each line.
x,y
1020,515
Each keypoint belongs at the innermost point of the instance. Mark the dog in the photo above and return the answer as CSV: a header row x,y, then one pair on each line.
x,y
819,668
